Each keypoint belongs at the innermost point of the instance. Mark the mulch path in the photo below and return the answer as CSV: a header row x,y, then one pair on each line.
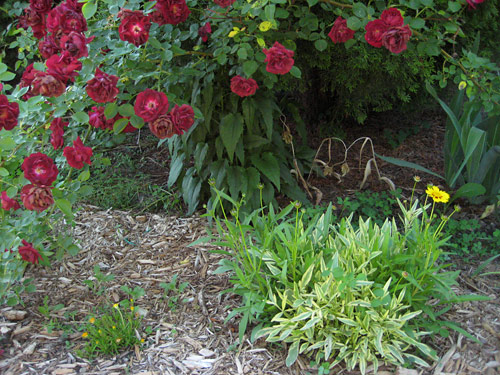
x,y
148,249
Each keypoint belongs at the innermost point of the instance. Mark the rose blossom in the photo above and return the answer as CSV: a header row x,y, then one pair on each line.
x,y
243,87
29,253
48,47
150,104
9,112
37,198
56,138
78,154
374,31
162,127
63,67
182,117
340,33
8,203
99,121
170,12
41,6
204,31
35,20
102,88
47,85
392,17
75,43
40,169
224,3
134,27
66,18
395,38
279,59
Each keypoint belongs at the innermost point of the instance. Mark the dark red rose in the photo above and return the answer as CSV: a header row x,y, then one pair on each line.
x,y
35,20
392,17
9,112
374,31
47,85
37,198
78,154
66,18
473,3
75,43
182,117
340,33
102,88
39,169
395,38
97,118
279,59
74,4
170,11
134,27
224,3
29,253
9,203
41,6
48,47
163,127
150,104
63,67
204,32
56,138
243,87
1,86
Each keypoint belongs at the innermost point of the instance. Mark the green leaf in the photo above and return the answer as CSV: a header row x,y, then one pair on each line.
x,y
65,206
295,71
81,117
176,166
354,23
7,76
417,23
407,164
359,10
111,110
231,129
269,166
7,143
84,176
126,110
312,2
3,172
89,9
250,67
119,125
469,190
73,250
293,353
320,45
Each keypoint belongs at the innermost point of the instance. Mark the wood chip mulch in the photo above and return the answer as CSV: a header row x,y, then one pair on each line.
x,y
191,339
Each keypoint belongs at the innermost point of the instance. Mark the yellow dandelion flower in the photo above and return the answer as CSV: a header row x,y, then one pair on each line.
x,y
85,334
114,327
265,26
142,340
115,306
132,300
131,308
437,195
92,320
99,331
97,341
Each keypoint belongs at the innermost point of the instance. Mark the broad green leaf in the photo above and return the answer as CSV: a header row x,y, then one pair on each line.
x,y
250,67
65,206
126,110
89,9
3,172
7,143
321,44
454,6
81,117
7,76
269,166
111,110
231,128
119,125
354,23
469,190
293,353
359,10
295,71
176,166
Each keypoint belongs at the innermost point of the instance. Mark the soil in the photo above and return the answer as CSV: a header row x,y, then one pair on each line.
x,y
191,336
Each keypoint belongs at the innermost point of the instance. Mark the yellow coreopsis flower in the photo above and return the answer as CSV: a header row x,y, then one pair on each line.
x,y
437,195
265,26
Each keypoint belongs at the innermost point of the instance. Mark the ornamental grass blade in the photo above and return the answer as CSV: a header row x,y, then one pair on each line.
x,y
408,164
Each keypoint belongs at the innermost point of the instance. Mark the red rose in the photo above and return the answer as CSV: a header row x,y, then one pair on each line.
x,y
182,117
48,47
9,113
395,38
150,104
97,118
56,138
204,32
63,67
243,87
35,20
340,33
163,127
76,44
39,169
172,12
134,27
29,253
224,3
47,85
78,154
26,80
102,88
66,18
374,31
279,59
41,6
392,17
37,198
8,203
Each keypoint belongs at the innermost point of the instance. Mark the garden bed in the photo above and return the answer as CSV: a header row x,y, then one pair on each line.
x,y
188,335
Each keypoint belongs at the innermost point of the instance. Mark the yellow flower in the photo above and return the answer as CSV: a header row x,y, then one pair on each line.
x,y
437,195
118,340
99,331
114,327
265,26
85,334
131,308
142,340
92,320
115,306
462,85
416,178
